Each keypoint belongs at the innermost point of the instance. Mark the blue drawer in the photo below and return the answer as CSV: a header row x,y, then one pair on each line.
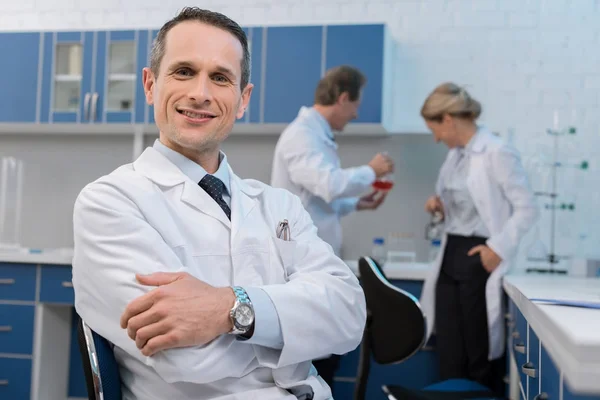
x,y
533,366
17,281
56,286
549,376
15,379
16,329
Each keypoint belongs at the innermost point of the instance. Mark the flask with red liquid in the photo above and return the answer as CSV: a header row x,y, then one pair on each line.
x,y
384,184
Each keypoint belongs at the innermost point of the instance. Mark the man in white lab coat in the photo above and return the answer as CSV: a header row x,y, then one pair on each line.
x,y
186,268
307,164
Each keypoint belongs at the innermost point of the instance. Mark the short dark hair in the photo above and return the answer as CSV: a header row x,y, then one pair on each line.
x,y
212,18
338,80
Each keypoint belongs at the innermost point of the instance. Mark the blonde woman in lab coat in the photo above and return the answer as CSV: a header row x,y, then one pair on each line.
x,y
484,196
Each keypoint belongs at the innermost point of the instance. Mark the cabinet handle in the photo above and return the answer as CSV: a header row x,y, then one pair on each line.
x,y
510,324
86,106
515,335
67,284
541,396
3,382
520,348
508,316
94,106
529,370
6,328
7,281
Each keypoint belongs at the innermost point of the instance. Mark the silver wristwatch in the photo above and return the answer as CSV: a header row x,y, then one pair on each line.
x,y
242,312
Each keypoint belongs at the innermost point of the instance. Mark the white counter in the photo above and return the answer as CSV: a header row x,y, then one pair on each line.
x,y
404,271
571,335
44,256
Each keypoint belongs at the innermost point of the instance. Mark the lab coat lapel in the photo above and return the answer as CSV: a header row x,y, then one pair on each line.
x,y
197,197
243,201
161,171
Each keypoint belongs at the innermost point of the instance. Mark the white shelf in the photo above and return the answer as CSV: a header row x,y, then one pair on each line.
x,y
67,78
122,77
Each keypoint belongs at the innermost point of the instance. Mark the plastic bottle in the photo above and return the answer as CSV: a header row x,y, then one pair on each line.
x,y
434,249
378,253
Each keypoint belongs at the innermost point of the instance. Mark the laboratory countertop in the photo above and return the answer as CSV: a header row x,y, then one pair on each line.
x,y
569,334
404,271
61,256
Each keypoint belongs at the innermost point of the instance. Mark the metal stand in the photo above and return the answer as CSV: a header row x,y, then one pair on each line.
x,y
552,258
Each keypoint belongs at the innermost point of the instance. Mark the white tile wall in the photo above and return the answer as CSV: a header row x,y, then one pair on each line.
x,y
523,59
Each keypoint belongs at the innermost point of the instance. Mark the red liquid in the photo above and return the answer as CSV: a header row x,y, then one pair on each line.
x,y
383,185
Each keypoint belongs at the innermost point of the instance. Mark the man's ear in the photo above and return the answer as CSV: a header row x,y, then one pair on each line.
x,y
246,94
148,83
343,98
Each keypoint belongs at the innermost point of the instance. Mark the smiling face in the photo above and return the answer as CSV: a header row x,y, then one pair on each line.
x,y
196,92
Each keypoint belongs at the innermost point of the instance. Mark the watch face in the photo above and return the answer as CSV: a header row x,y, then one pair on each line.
x,y
244,315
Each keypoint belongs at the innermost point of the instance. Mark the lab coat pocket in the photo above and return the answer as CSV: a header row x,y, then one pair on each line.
x,y
282,254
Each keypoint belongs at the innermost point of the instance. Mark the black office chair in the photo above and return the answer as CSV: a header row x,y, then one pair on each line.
x,y
102,377
395,331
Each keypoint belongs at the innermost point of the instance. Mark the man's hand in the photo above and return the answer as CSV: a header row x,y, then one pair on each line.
x,y
489,258
371,201
382,164
182,311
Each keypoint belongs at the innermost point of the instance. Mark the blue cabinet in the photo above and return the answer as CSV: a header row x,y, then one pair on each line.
x,y
293,69
539,376
19,77
93,77
361,46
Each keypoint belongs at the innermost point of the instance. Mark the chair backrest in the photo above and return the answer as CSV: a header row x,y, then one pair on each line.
x,y
397,326
100,367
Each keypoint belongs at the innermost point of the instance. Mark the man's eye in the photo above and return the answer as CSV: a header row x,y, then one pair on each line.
x,y
183,72
221,78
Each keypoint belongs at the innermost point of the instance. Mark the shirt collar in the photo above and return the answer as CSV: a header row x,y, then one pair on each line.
x,y
314,114
468,149
191,169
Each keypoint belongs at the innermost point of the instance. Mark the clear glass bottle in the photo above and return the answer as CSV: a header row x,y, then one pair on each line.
x,y
378,252
434,249
11,190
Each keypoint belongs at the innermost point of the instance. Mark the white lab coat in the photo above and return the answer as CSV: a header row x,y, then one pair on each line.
x,y
499,187
148,216
307,164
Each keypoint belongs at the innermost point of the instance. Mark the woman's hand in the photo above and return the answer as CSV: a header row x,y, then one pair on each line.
x,y
489,258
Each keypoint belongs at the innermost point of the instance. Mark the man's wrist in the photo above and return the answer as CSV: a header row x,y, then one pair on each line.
x,y
229,302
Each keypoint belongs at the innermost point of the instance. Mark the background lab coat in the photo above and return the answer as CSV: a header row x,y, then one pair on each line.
x,y
499,187
307,164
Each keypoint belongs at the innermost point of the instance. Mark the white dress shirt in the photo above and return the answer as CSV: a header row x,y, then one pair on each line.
x,y
460,212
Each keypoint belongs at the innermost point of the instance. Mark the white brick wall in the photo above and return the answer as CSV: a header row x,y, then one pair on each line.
x,y
522,58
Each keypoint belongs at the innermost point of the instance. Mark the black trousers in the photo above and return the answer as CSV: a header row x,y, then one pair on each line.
x,y
327,367
461,316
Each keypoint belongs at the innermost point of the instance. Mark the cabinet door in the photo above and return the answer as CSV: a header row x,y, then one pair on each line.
x,y
67,73
293,69
19,77
117,77
362,47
